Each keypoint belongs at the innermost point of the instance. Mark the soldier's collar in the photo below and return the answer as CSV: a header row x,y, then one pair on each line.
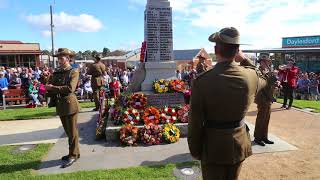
x,y
224,63
67,68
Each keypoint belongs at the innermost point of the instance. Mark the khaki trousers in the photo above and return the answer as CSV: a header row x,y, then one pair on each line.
x,y
70,127
96,96
220,172
262,121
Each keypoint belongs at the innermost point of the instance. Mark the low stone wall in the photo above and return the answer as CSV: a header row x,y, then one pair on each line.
x,y
112,133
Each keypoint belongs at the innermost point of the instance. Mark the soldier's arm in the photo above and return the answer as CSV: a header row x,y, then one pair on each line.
x,y
70,87
195,126
247,63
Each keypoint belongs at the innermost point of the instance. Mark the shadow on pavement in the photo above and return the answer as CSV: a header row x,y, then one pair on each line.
x,y
49,164
179,158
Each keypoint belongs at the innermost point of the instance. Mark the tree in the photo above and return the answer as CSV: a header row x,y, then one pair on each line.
x,y
105,52
94,53
118,53
87,54
46,52
79,55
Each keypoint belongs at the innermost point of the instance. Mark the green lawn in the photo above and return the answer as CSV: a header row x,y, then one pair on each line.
x,y
21,166
36,113
302,104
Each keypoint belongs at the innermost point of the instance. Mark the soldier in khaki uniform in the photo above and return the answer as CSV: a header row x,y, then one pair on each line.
x,y
264,100
61,89
201,66
97,70
217,134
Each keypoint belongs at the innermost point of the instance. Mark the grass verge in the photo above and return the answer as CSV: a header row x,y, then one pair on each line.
x,y
34,113
302,104
21,166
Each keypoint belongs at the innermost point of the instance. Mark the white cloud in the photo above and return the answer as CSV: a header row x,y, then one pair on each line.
x,y
46,33
66,22
261,23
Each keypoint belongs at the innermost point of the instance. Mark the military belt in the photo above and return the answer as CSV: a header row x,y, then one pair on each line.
x,y
224,125
64,95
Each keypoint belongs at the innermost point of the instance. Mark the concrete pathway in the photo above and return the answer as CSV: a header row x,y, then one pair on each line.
x,y
36,131
100,155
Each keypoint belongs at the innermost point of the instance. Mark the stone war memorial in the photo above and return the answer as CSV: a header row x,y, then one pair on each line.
x,y
155,111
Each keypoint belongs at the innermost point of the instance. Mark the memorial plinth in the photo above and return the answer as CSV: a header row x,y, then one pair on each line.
x,y
158,70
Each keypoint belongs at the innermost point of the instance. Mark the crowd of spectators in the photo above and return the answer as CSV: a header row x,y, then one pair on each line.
x,y
32,81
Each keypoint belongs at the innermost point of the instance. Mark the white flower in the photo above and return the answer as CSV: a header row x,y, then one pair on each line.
x,y
166,109
174,118
163,115
134,111
167,121
126,112
173,110
132,122
138,118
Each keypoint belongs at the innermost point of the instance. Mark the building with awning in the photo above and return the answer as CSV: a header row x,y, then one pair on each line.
x,y
305,50
17,53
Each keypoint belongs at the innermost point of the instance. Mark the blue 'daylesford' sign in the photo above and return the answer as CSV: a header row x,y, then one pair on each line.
x,y
295,42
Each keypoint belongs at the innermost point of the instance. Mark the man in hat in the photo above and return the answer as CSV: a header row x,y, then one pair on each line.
x,y
289,82
201,66
264,99
97,70
217,134
62,87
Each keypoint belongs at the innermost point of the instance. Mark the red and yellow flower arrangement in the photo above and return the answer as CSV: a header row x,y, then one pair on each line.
x,y
151,116
177,85
129,135
138,101
131,116
168,115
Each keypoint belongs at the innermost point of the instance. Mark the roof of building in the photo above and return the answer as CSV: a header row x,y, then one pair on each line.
x,y
188,54
282,50
10,42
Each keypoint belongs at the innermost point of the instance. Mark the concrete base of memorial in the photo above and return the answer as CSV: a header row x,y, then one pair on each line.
x,y
112,133
158,70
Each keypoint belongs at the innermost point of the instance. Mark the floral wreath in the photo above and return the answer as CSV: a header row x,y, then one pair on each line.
x,y
129,135
131,116
183,113
116,115
138,101
168,115
177,85
171,133
124,100
151,116
151,134
161,86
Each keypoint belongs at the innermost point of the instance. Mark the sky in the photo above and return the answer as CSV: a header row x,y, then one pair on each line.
x,y
119,24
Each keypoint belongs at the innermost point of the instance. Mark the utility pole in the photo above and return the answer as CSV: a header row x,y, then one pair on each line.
x,y
52,43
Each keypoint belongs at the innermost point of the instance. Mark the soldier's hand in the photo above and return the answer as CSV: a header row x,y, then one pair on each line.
x,y
48,86
240,56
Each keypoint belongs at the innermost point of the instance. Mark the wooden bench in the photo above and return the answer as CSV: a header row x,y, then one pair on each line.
x,y
14,95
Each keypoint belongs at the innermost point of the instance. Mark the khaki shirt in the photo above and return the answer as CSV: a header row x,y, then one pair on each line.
x,y
64,84
222,95
97,70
